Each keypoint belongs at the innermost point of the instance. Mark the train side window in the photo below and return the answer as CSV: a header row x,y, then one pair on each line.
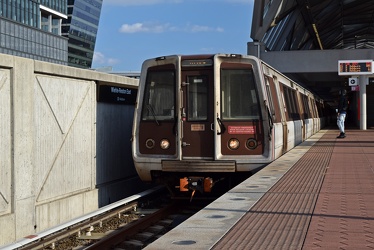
x,y
291,104
239,94
287,100
295,106
159,101
313,104
270,98
306,110
270,81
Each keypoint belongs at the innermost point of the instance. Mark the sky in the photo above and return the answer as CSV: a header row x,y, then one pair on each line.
x,y
131,31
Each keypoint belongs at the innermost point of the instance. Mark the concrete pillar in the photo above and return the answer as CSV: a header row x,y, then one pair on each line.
x,y
255,49
363,80
23,146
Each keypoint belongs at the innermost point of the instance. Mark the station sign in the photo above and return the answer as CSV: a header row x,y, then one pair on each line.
x,y
355,67
117,95
353,81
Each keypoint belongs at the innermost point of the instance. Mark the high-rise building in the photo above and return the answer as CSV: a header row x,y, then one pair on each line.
x,y
81,30
57,31
32,29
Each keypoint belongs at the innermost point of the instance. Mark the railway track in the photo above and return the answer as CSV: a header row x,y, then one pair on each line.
x,y
131,223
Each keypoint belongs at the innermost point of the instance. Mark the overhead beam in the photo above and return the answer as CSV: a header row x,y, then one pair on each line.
x,y
311,61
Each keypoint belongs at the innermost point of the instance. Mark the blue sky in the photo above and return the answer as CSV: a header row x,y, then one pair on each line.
x,y
131,31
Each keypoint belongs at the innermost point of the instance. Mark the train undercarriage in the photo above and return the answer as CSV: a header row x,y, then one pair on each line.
x,y
194,185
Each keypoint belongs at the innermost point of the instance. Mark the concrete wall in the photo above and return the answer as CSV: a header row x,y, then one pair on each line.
x,y
48,145
114,179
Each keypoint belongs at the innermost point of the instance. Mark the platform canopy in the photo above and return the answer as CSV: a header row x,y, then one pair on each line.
x,y
284,25
305,39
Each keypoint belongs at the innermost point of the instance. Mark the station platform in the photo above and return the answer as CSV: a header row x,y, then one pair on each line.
x,y
320,195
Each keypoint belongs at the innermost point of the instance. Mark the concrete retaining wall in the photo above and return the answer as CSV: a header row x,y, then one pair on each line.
x,y
48,145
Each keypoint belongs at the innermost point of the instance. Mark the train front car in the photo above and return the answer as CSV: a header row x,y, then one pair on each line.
x,y
201,120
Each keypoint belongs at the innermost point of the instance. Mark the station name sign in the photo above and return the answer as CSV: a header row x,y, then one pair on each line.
x,y
355,67
118,95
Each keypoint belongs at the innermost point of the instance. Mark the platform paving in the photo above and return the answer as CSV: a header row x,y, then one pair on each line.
x,y
325,201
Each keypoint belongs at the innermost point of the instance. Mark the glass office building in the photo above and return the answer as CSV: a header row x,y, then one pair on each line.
x,y
32,29
57,31
81,30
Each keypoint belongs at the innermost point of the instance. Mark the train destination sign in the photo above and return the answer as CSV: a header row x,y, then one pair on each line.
x,y
355,67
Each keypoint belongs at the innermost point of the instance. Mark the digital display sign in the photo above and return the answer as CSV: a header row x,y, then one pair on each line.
x,y
197,63
357,67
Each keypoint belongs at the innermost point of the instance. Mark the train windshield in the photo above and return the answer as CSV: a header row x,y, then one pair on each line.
x,y
239,95
159,101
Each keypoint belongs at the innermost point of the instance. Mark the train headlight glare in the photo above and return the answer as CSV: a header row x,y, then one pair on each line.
x,y
149,143
251,144
233,144
165,144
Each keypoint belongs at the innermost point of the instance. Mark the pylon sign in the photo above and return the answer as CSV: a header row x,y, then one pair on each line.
x,y
355,67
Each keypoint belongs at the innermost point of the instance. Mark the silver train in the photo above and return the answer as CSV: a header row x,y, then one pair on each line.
x,y
202,119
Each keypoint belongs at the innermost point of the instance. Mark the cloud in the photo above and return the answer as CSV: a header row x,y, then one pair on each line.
x,y
148,27
145,27
153,2
139,2
240,1
199,28
100,59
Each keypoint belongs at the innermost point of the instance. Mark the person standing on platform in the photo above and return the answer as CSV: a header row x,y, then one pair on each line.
x,y
342,112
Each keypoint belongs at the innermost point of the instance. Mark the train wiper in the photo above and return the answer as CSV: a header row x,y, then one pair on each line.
x,y
150,108
222,126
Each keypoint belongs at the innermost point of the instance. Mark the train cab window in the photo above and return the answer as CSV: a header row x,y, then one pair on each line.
x,y
239,95
197,98
159,102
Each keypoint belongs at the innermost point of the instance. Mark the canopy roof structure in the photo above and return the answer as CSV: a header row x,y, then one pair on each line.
x,y
284,25
305,39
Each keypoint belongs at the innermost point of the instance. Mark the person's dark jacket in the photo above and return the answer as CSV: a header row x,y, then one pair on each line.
x,y
343,104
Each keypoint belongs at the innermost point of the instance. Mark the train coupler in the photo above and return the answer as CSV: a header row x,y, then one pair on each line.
x,y
201,184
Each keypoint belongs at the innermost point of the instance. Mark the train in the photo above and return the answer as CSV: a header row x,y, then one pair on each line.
x,y
201,120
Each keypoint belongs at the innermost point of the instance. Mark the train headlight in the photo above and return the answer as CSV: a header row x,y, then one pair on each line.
x,y
149,143
233,144
251,143
164,144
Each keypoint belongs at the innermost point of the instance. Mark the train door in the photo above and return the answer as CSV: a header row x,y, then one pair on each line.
x,y
197,114
275,113
284,118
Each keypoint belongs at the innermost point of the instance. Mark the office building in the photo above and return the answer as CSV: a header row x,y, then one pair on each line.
x,y
32,29
57,31
81,30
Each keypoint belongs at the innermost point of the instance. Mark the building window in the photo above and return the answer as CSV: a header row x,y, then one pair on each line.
x,y
56,26
51,23
45,22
